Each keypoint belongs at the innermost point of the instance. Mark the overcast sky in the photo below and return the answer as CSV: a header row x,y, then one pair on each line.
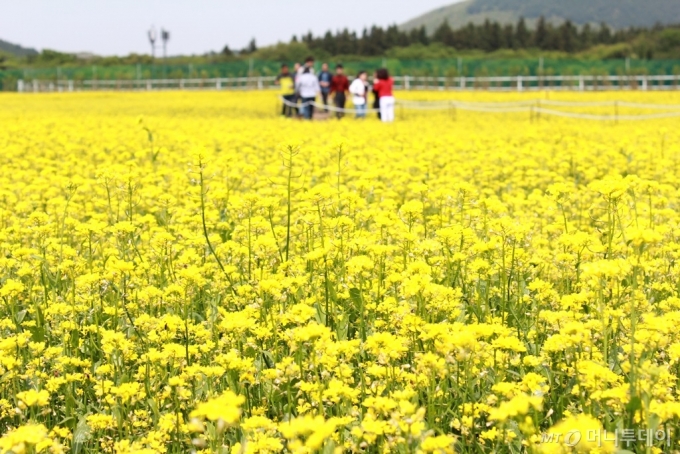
x,y
117,27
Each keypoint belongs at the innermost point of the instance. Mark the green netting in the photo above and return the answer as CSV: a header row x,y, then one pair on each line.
x,y
532,67
451,67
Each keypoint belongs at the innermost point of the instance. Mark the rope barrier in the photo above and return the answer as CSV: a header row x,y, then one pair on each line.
x,y
551,102
531,102
559,113
343,109
491,110
294,104
649,106
518,106
326,107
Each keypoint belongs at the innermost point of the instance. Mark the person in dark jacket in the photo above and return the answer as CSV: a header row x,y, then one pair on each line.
x,y
325,78
340,87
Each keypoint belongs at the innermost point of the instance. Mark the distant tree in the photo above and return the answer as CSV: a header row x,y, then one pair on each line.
x,y
509,37
394,37
354,42
294,39
345,42
250,48
362,43
419,36
55,57
669,39
568,37
227,52
604,35
444,34
328,43
541,37
586,37
376,41
522,35
494,40
469,37
485,36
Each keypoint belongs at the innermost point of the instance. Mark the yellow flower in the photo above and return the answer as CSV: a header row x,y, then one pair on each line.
x,y
442,444
20,439
518,406
32,398
11,287
225,407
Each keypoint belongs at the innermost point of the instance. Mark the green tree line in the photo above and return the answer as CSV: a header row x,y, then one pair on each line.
x,y
493,36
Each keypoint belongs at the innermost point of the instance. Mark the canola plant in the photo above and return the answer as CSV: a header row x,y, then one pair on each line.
x,y
189,272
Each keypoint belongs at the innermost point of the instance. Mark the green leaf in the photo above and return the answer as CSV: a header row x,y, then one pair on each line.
x,y
355,294
71,403
634,405
81,435
75,338
329,448
154,409
21,315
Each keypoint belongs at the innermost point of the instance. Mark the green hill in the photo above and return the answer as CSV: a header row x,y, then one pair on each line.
x,y
16,50
615,13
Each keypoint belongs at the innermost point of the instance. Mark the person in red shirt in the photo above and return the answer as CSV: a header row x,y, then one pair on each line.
x,y
383,87
340,87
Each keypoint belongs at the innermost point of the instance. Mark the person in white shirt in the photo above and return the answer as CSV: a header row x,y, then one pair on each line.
x,y
358,91
307,86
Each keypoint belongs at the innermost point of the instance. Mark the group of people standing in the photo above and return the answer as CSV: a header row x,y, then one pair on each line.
x,y
303,86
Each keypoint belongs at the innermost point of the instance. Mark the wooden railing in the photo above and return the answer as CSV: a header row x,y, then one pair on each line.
x,y
496,83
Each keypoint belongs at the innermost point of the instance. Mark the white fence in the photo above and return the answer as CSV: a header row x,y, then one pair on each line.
x,y
507,83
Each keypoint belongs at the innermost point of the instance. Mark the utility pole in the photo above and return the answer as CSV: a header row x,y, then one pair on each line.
x,y
152,39
165,36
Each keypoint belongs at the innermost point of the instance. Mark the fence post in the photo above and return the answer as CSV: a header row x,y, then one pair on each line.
x,y
35,86
644,83
259,83
20,85
148,85
581,83
462,83
407,83
70,85
616,112
519,83
218,84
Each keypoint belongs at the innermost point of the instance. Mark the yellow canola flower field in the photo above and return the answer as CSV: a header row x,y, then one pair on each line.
x,y
188,272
